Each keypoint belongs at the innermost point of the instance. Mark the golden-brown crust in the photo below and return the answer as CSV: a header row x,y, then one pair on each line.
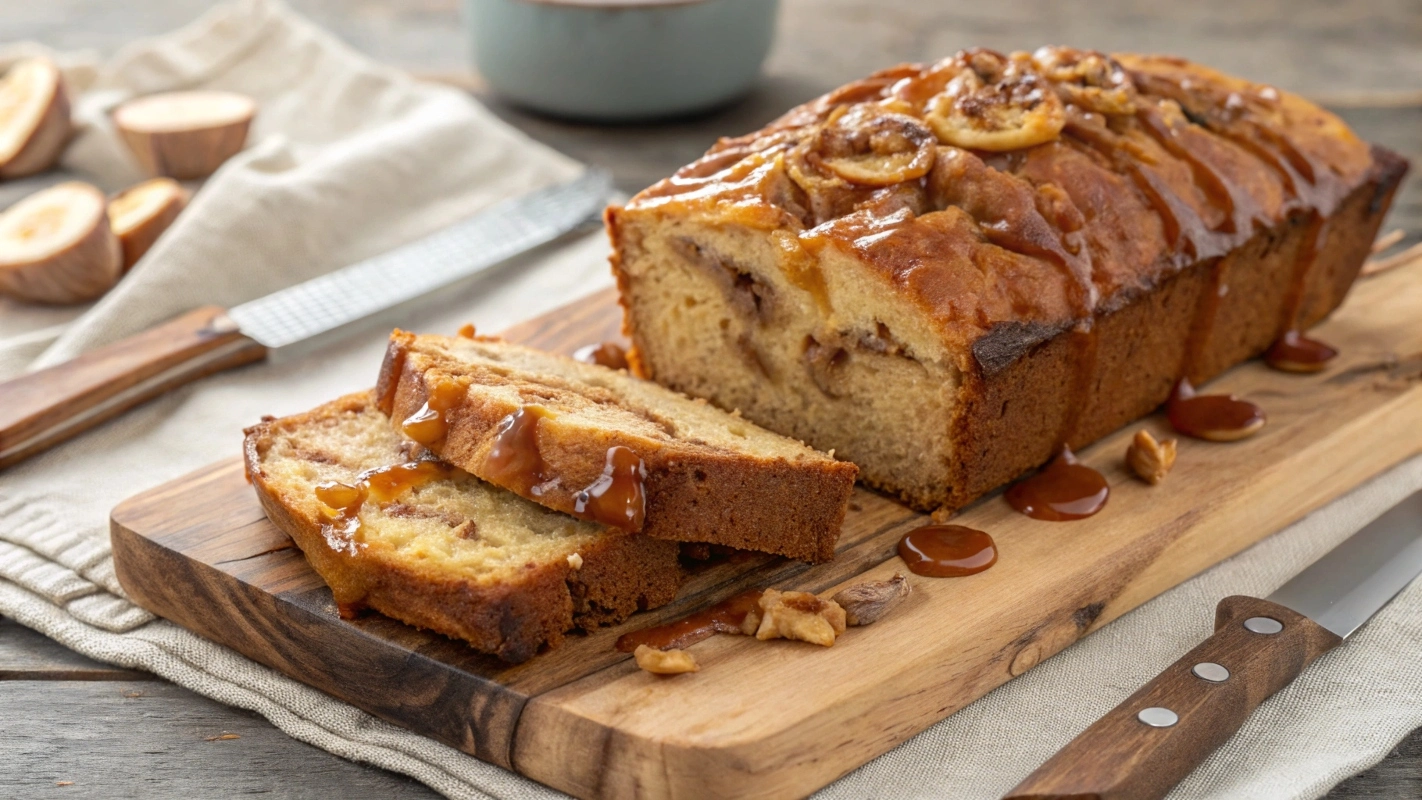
x,y
1184,166
620,573
695,492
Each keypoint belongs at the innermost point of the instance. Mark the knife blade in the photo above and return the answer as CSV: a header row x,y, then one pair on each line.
x,y
43,408
1151,741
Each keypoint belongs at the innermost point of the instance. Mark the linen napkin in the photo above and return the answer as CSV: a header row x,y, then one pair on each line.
x,y
348,159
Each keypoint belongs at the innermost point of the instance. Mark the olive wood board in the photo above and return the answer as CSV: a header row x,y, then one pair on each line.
x,y
783,718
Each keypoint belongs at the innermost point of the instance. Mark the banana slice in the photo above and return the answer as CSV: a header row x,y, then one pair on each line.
x,y
185,135
34,118
56,246
1087,79
139,215
871,146
995,103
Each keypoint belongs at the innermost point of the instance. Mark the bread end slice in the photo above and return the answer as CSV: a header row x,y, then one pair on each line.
x,y
449,553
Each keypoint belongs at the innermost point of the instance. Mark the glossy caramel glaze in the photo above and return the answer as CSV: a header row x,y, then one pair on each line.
x,y
1294,352
724,617
1063,490
1214,417
513,459
618,497
607,354
1121,170
947,551
428,425
343,501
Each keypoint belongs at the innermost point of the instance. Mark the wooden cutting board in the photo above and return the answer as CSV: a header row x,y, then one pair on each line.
x,y
781,718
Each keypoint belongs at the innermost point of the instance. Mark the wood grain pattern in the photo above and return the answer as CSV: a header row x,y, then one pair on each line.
x,y
40,409
782,718
27,655
1121,758
108,740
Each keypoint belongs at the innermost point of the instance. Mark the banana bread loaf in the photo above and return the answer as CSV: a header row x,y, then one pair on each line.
x,y
427,544
601,444
945,272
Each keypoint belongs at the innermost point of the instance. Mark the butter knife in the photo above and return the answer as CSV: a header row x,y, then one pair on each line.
x,y
43,408
1148,743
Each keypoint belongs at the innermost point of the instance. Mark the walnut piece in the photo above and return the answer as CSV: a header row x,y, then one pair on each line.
x,y
1150,459
575,561
865,603
664,662
796,615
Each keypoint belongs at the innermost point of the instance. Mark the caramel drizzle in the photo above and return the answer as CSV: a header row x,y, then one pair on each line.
x,y
1315,237
1294,352
344,501
947,551
606,354
1213,417
1064,490
618,497
429,424
514,460
724,617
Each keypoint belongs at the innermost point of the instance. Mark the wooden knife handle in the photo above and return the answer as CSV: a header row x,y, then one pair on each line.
x,y
1121,757
43,408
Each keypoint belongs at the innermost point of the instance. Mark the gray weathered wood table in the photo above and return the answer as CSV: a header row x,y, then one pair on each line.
x,y
74,728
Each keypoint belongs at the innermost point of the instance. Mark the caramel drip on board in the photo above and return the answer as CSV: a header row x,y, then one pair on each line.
x,y
429,425
514,461
947,551
1294,352
1213,417
724,617
1064,490
617,497
607,354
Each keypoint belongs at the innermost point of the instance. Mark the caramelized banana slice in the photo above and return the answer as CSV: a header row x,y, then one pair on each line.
x,y
995,103
1087,79
871,146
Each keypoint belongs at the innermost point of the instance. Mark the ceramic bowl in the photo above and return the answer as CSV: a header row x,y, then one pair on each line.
x,y
620,60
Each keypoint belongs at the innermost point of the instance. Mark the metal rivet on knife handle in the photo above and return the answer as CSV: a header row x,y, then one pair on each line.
x,y
1210,671
1158,717
1265,625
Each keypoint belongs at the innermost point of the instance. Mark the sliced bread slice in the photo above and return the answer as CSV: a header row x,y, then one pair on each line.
x,y
604,445
433,546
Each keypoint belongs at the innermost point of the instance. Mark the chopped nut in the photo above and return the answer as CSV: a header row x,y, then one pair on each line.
x,y
751,623
1149,459
223,738
664,662
575,561
942,514
64,783
799,615
865,603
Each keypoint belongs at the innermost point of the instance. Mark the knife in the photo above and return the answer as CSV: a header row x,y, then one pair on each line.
x,y
43,408
1148,743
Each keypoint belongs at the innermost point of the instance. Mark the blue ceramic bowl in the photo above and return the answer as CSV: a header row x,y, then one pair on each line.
x,y
620,60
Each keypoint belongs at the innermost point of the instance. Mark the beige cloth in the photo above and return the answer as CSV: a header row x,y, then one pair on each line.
x,y
348,159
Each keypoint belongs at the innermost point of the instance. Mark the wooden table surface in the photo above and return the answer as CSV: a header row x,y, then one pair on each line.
x,y
72,727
